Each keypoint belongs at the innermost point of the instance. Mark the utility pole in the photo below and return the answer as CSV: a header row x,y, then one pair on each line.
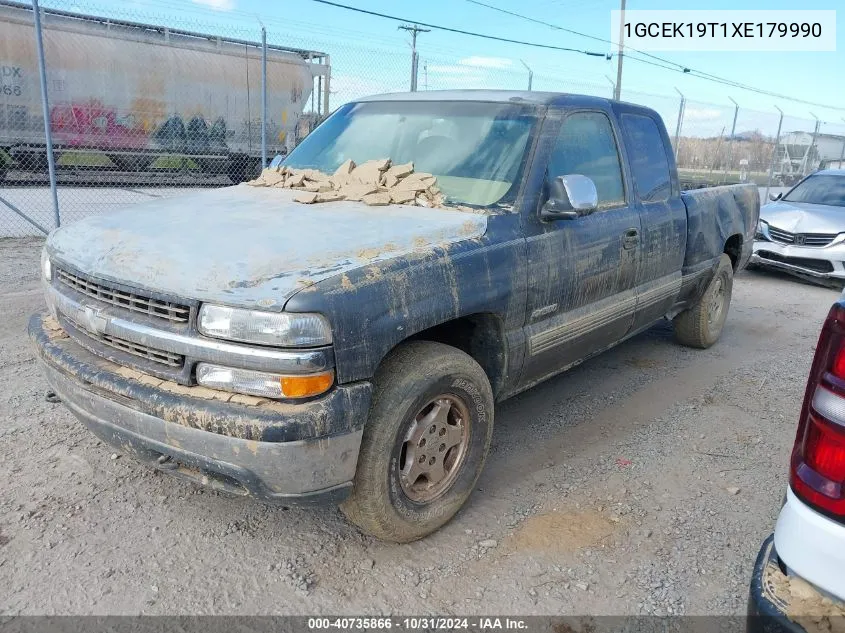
x,y
617,91
414,29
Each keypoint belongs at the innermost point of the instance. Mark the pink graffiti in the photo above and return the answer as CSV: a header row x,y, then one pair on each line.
x,y
94,125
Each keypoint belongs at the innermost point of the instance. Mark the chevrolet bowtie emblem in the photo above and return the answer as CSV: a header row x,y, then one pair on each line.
x,y
91,319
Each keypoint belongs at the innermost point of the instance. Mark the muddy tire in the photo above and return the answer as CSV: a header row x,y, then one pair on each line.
x,y
701,325
424,444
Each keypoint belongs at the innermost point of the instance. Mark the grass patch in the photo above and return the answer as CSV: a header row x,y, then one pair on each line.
x,y
719,177
84,159
99,159
174,161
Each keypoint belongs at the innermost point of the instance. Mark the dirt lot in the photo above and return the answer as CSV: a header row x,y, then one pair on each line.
x,y
610,490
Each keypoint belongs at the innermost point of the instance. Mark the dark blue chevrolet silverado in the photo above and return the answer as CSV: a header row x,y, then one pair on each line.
x,y
350,353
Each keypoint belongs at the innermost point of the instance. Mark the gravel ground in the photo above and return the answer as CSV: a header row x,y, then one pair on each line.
x,y
641,482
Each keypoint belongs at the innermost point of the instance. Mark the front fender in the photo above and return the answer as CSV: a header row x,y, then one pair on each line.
x,y
374,308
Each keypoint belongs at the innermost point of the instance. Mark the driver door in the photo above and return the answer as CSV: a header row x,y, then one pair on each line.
x,y
582,271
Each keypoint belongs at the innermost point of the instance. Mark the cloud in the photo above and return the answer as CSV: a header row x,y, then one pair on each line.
x,y
346,87
702,114
477,61
217,5
451,69
471,69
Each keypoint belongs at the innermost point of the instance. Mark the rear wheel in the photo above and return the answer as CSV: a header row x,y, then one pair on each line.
x,y
701,325
424,444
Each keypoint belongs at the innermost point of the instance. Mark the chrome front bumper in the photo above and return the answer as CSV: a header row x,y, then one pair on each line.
x,y
827,262
278,452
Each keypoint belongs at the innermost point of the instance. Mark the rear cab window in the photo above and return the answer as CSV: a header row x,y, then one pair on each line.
x,y
647,158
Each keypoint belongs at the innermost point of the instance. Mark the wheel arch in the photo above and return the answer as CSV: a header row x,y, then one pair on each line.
x,y
733,249
480,335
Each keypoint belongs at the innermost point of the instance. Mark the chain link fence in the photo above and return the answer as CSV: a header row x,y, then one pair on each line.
x,y
146,104
139,111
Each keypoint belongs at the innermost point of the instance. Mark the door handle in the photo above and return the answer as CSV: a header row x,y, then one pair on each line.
x,y
630,238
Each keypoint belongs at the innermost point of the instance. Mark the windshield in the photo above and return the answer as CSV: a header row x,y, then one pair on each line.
x,y
821,189
476,150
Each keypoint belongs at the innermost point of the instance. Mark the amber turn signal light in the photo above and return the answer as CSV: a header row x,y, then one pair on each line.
x,y
306,386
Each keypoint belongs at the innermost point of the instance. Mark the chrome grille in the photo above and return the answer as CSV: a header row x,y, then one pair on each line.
x,y
800,239
133,301
136,349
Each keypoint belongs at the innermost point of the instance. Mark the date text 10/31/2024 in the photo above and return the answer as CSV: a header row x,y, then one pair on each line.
x,y
421,623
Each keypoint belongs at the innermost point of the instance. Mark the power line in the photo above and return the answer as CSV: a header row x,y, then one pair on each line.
x,y
728,82
461,31
664,63
566,30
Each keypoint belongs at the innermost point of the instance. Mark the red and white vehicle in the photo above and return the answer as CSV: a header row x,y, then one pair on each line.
x,y
800,570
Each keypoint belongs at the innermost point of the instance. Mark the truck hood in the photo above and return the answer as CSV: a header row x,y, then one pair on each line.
x,y
249,246
800,217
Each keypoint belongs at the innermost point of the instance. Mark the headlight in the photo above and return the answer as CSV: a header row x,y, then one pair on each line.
x,y
46,266
259,383
264,328
762,232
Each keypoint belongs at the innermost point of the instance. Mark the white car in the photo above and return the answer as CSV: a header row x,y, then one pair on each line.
x,y
800,571
803,231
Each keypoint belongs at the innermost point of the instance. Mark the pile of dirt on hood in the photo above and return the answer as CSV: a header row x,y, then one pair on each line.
x,y
376,183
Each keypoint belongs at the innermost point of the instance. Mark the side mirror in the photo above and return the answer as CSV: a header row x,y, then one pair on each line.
x,y
570,197
775,196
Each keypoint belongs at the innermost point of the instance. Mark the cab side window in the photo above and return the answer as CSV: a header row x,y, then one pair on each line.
x,y
586,146
647,153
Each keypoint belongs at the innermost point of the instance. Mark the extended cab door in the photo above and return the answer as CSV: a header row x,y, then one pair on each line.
x,y
582,271
663,216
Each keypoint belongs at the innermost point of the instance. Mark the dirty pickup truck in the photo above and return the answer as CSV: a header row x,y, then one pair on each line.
x,y
347,353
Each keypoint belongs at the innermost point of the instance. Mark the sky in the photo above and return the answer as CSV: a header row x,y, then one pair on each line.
x,y
370,54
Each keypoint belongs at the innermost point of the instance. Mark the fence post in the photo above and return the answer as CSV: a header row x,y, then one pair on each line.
x,y
530,75
716,157
45,107
326,86
681,109
731,142
612,86
263,97
842,153
774,156
809,152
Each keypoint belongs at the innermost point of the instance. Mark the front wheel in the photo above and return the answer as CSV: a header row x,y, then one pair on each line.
x,y
424,444
701,324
